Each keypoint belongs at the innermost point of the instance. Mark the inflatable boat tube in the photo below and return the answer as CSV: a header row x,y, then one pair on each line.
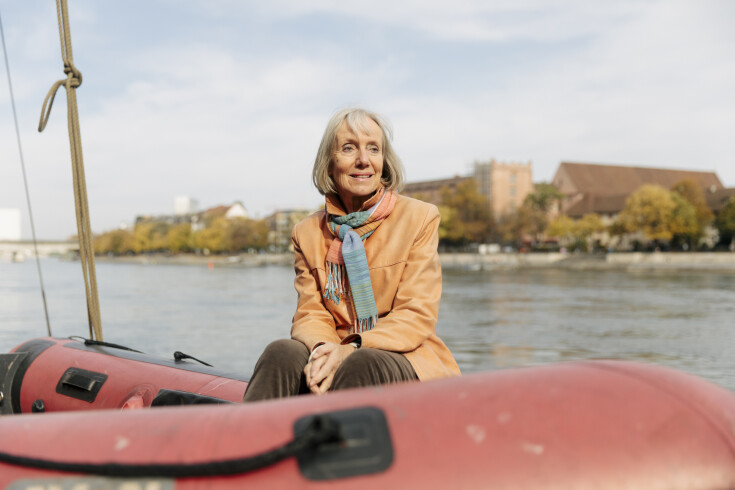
x,y
50,375
593,424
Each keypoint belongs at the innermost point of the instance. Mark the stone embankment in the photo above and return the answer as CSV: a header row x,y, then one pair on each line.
x,y
720,261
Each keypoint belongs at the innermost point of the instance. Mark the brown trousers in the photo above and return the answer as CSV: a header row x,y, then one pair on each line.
x,y
280,370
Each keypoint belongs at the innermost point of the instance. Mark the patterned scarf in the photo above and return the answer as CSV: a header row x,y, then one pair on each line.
x,y
346,263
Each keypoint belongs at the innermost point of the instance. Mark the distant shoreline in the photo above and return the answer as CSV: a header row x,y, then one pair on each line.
x,y
719,261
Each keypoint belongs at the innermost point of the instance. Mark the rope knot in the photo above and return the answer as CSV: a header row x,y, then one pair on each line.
x,y
72,74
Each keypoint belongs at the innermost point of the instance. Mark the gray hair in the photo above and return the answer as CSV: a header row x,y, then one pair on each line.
x,y
356,119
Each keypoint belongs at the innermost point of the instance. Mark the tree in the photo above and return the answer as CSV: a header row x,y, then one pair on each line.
x,y
562,227
450,227
725,222
586,226
543,197
247,233
531,220
692,192
116,242
215,238
683,223
179,238
649,210
471,220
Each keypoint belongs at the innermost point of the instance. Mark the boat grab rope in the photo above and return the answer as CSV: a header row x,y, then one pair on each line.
x,y
84,229
180,356
322,429
25,179
103,344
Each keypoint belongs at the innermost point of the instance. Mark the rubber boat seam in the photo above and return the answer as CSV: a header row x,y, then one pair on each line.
x,y
685,401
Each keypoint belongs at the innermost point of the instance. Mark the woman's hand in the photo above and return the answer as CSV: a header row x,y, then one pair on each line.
x,y
322,365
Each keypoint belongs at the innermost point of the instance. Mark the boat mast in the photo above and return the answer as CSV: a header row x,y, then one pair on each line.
x,y
84,230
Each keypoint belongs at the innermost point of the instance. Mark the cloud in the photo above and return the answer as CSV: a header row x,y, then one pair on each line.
x,y
237,113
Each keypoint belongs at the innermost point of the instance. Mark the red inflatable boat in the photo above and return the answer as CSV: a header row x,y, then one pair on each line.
x,y
594,424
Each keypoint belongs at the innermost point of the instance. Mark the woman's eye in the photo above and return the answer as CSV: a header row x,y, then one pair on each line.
x,y
374,149
348,148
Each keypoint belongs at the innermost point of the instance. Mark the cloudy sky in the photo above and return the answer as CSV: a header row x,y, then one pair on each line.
x,y
226,100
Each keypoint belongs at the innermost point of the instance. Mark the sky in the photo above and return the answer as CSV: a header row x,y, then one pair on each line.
x,y
226,100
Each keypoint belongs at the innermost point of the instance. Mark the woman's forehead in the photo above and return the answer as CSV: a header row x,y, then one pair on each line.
x,y
363,125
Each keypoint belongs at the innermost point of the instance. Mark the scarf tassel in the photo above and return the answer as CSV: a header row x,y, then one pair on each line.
x,y
336,277
365,324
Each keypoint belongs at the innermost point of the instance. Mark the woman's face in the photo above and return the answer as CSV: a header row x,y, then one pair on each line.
x,y
357,164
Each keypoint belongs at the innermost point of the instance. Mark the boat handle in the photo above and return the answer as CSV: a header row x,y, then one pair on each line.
x,y
79,381
81,384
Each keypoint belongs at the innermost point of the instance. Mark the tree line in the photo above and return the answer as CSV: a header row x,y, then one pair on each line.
x,y
677,218
219,235
652,216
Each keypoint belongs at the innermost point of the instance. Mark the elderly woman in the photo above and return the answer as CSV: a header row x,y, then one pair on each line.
x,y
367,275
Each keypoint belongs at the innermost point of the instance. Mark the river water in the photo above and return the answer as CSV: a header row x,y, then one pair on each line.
x,y
489,319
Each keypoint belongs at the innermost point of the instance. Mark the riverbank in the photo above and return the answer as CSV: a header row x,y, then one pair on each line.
x,y
720,261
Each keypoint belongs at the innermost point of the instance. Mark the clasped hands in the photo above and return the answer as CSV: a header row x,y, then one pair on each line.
x,y
322,365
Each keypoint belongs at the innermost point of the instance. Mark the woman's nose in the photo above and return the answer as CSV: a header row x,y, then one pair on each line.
x,y
363,156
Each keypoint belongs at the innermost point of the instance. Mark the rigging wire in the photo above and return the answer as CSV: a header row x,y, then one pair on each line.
x,y
25,178
84,229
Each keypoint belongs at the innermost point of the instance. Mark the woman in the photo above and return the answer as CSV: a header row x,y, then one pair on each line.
x,y
367,275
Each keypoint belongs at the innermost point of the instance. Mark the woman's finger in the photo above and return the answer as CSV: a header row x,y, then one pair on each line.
x,y
324,386
314,377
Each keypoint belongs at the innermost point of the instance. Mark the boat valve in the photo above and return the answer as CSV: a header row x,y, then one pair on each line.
x,y
38,406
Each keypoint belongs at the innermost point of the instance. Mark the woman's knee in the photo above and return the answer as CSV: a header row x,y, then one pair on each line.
x,y
369,367
360,360
285,348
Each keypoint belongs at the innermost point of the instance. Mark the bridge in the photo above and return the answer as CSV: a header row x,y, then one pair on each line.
x,y
21,250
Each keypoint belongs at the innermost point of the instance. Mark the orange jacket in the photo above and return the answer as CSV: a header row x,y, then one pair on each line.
x,y
406,276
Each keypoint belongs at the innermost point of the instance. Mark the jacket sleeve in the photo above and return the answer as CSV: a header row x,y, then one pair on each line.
x,y
416,305
312,323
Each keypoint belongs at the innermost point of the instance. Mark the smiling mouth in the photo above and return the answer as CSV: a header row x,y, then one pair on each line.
x,y
361,176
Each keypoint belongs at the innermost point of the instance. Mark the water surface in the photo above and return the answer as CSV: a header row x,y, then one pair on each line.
x,y
489,319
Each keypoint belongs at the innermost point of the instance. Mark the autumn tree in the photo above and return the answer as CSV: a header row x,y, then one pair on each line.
x,y
117,242
215,238
692,192
179,238
684,226
470,220
247,233
532,218
725,222
543,197
586,227
150,236
576,232
649,210
563,228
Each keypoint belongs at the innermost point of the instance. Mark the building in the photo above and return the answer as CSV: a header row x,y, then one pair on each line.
x,y
10,229
505,185
603,189
716,200
198,219
184,205
431,190
280,225
234,210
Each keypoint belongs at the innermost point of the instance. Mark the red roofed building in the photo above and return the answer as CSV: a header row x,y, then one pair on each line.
x,y
603,189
